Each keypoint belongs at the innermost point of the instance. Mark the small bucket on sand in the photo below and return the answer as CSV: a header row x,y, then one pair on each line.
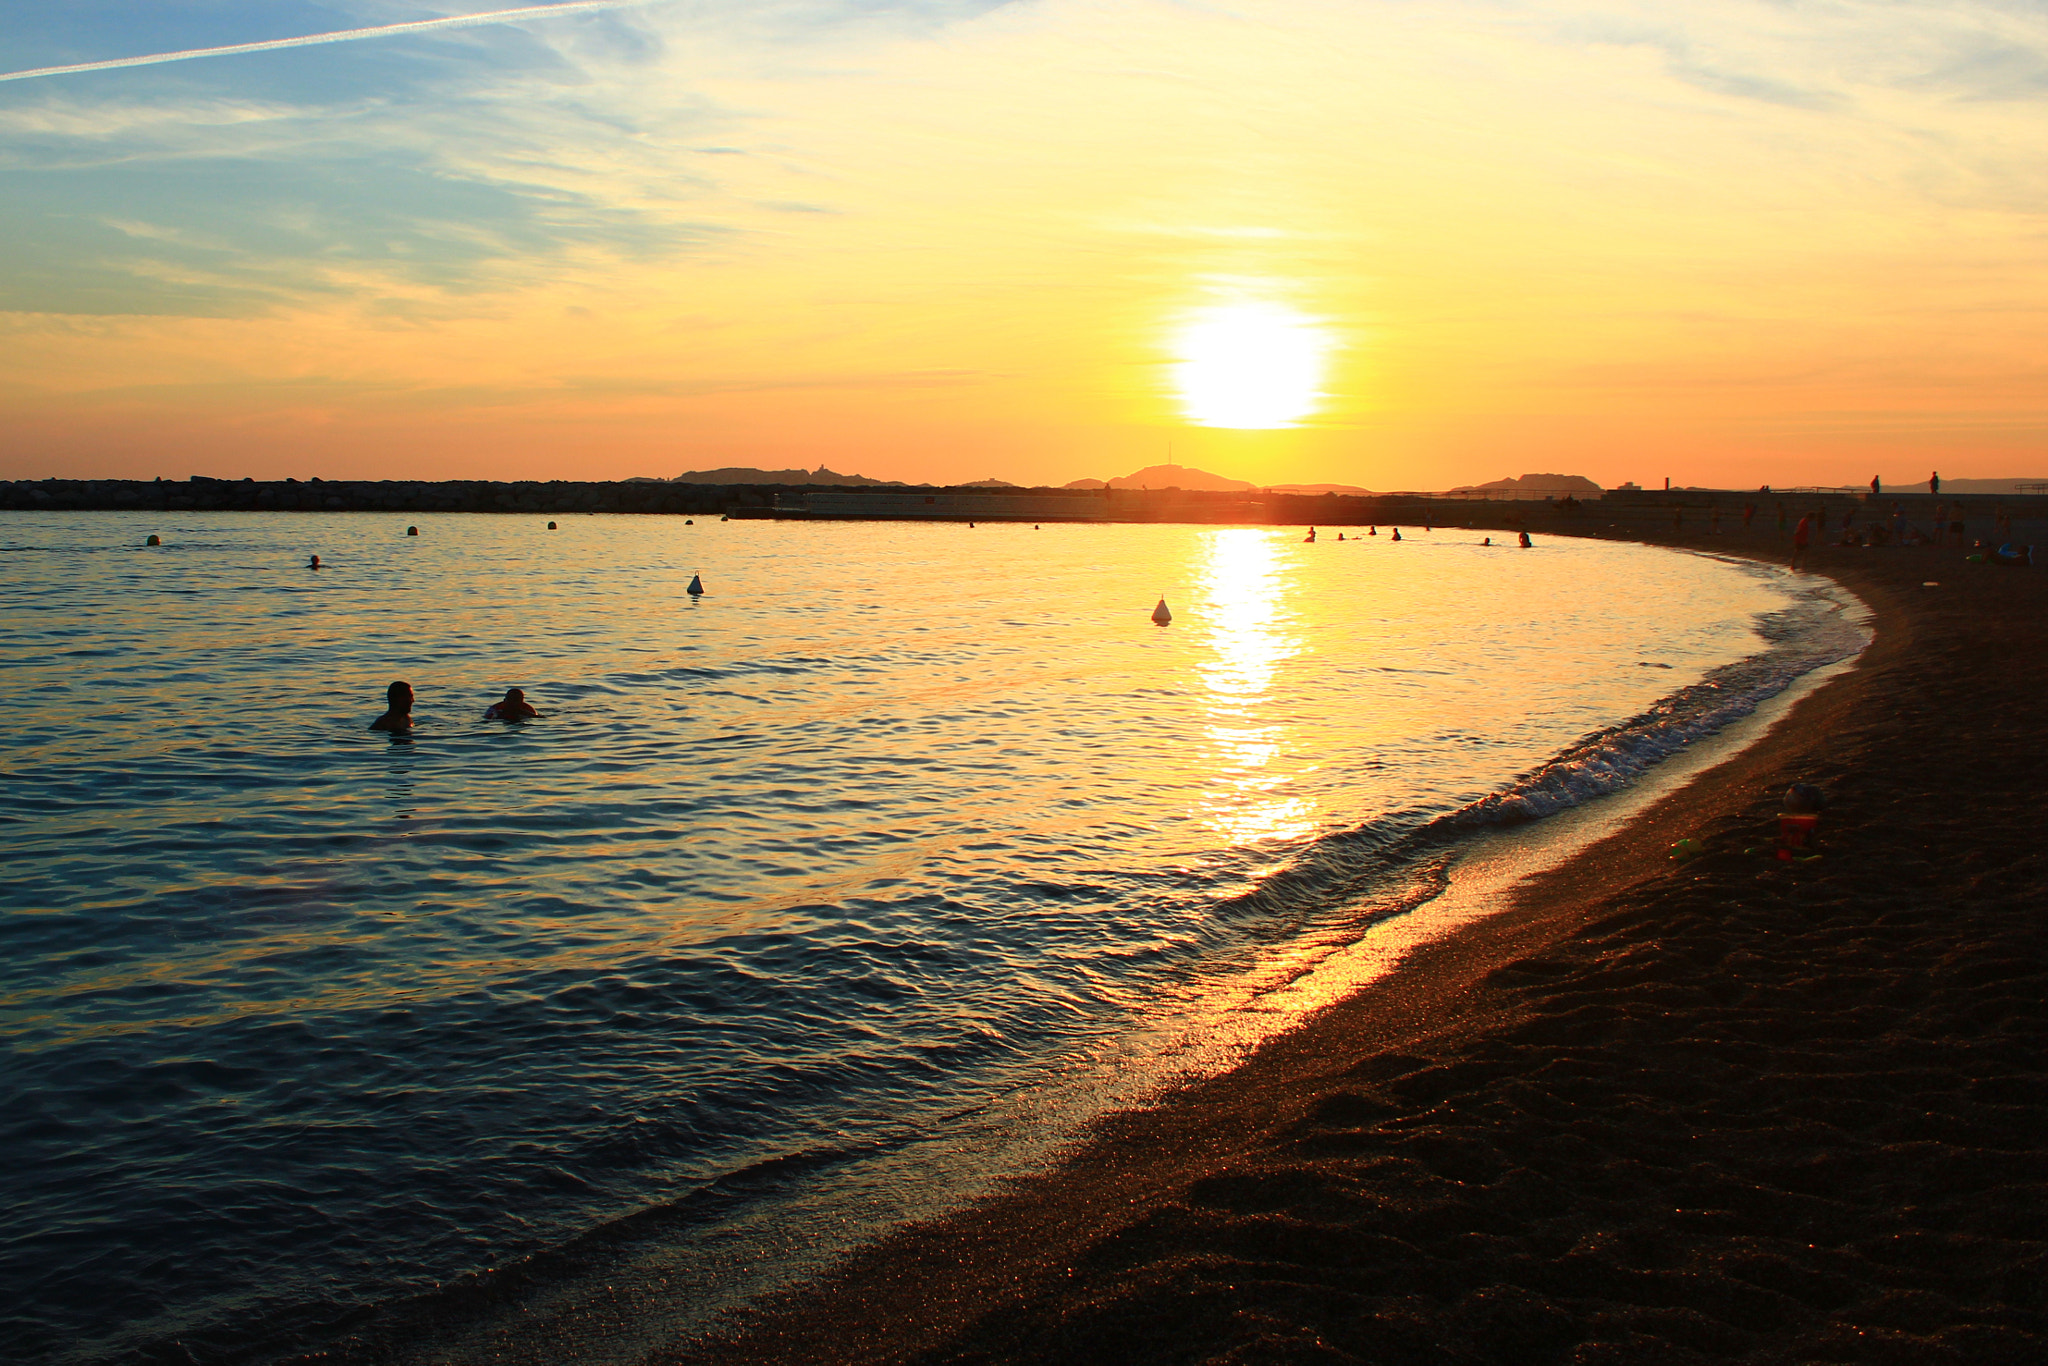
x,y
1795,832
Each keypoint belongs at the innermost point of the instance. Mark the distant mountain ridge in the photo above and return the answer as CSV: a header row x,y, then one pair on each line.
x,y
1538,485
1179,477
1186,477
741,474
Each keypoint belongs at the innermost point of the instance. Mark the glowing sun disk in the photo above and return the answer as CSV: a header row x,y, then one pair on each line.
x,y
1249,365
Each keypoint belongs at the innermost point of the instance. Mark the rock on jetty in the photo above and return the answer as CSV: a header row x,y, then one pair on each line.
x,y
363,495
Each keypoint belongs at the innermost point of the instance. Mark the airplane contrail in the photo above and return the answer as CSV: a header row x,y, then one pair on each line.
x,y
347,35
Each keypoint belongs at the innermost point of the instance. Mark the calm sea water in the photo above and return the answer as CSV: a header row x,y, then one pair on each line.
x,y
896,825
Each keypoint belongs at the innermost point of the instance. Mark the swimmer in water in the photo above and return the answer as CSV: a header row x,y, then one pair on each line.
x,y
313,563
1527,544
398,717
1487,541
515,707
1397,533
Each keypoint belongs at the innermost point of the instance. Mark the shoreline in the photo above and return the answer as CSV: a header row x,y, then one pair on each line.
x,y
1226,1221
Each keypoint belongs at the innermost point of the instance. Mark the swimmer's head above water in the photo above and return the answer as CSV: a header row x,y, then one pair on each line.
x,y
398,708
514,707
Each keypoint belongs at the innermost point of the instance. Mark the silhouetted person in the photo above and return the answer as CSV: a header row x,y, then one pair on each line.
x,y
515,707
1526,542
1876,488
1802,536
397,717
313,563
1934,483
1397,533
1311,535
1487,541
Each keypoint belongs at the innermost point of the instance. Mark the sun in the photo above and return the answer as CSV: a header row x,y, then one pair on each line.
x,y
1249,365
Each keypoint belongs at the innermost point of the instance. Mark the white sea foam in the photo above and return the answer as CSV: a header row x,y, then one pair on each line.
x,y
1817,628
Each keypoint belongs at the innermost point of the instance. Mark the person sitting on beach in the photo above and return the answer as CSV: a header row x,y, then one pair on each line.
x,y
514,707
398,709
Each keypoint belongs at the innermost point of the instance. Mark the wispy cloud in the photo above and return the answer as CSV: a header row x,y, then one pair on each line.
x,y
505,16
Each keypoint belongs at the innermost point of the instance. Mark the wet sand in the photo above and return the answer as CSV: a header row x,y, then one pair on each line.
x,y
1731,1109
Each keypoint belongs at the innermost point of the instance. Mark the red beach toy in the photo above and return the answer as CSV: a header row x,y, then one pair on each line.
x,y
1797,822
1795,832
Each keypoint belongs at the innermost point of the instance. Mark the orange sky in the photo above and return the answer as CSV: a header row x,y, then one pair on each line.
x,y
943,242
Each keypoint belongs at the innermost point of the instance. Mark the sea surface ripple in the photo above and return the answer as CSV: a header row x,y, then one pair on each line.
x,y
895,822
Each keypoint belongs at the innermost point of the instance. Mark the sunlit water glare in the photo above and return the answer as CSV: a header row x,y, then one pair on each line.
x,y
896,822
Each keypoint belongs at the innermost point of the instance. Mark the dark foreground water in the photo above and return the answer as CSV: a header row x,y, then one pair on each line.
x,y
897,826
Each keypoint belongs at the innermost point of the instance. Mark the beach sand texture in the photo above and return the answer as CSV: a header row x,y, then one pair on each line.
x,y
1735,1109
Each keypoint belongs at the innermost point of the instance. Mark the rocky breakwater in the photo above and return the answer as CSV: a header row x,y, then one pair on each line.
x,y
356,495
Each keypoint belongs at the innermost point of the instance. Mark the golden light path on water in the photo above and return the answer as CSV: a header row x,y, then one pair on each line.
x,y
1247,621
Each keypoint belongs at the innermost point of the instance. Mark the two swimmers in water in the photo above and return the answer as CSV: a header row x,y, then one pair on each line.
x,y
397,717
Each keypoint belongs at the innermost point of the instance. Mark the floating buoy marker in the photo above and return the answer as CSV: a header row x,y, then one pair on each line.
x,y
551,526
412,531
696,588
1161,616
154,540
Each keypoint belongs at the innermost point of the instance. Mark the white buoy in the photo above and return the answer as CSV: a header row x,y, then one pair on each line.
x,y
696,588
1160,615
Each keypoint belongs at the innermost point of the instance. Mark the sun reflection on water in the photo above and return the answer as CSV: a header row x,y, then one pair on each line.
x,y
1248,584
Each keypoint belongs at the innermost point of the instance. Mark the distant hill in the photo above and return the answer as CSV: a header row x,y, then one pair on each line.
x,y
1532,486
1315,488
737,474
1180,477
989,484
1086,484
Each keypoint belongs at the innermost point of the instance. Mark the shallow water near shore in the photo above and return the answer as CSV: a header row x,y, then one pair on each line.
x,y
805,905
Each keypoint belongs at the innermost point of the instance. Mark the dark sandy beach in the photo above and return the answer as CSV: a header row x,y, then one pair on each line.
x,y
1731,1109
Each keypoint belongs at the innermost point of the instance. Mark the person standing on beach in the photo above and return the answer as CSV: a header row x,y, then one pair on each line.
x,y
1934,484
1874,494
397,717
1802,536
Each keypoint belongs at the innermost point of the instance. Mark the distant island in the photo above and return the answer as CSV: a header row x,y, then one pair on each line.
x,y
1153,478
1528,486
740,474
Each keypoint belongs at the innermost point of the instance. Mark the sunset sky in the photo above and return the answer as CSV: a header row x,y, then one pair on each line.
x,y
1400,245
